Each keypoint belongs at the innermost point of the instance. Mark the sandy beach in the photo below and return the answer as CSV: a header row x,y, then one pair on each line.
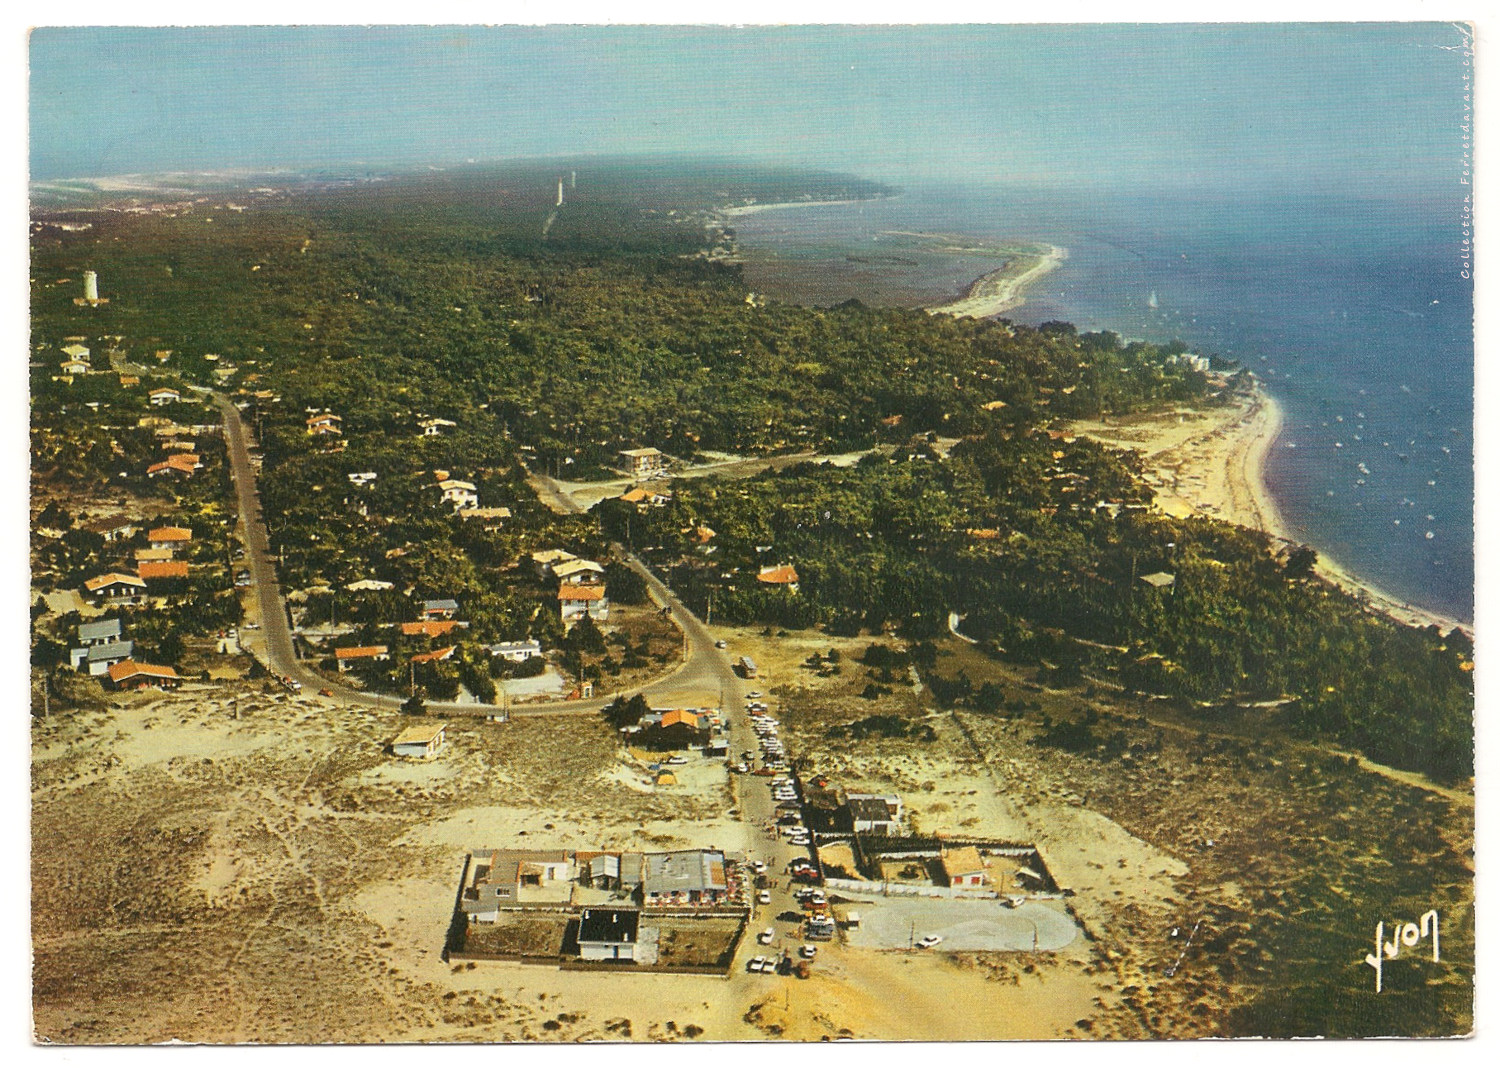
x,y
1212,462
1004,290
752,209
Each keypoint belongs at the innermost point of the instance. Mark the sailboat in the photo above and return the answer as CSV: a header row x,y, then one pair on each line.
x,y
1151,301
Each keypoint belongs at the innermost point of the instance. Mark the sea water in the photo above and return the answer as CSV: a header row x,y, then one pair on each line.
x,y
1353,313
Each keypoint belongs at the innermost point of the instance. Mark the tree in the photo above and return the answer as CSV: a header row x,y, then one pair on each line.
x,y
414,706
1300,561
623,712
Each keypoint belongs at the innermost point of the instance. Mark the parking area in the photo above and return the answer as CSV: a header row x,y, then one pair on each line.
x,y
965,924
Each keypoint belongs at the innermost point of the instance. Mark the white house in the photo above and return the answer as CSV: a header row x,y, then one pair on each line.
x,y
582,572
643,463
516,652
431,428
575,600
165,396
459,494
422,741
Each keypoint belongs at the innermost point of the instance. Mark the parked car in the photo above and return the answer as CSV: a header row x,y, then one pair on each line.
x,y
764,898
677,759
755,694
766,936
755,963
721,645
800,840
326,692
808,951
927,942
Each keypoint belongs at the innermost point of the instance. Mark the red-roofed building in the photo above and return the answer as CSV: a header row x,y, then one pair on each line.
x,y
116,588
348,655
177,464
430,628
132,675
169,537
162,569
436,655
573,600
780,575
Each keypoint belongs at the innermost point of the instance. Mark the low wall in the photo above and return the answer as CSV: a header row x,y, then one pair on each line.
x,y
912,890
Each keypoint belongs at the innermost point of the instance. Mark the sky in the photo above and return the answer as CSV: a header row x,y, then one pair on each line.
x,y
1367,107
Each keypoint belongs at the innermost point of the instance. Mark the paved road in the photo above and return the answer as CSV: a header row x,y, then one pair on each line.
x,y
704,669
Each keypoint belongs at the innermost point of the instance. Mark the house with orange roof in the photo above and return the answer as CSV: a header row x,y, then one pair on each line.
x,y
183,464
779,575
169,537
164,396
116,588
133,675
349,655
436,655
576,599
430,628
158,570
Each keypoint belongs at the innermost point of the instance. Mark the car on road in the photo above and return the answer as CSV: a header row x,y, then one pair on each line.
x,y
325,692
759,867
808,951
927,942
721,645
741,767
764,898
766,936
755,694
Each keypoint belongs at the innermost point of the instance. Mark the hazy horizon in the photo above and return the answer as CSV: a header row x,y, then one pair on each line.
x,y
1366,109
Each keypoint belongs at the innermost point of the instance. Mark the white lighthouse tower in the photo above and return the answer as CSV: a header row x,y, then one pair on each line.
x,y
91,291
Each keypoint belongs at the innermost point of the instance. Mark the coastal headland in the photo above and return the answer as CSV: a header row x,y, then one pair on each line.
x,y
1212,462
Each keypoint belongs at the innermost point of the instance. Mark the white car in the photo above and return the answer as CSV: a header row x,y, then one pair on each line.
x,y
765,937
759,867
721,645
677,760
755,963
799,840
764,898
768,965
927,942
808,951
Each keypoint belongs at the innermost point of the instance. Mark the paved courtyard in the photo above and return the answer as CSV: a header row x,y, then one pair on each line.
x,y
964,924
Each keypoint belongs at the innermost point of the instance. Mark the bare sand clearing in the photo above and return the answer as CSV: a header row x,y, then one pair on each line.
x,y
1212,462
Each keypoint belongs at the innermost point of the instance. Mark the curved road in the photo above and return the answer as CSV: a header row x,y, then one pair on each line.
x,y
704,668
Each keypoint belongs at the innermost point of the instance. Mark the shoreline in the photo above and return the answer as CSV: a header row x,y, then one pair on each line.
x,y
752,209
1212,463
1004,290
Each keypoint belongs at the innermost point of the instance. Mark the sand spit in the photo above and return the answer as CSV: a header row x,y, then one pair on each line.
x,y
1001,291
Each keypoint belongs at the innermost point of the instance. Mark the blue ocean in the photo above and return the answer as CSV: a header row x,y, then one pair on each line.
x,y
1354,313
